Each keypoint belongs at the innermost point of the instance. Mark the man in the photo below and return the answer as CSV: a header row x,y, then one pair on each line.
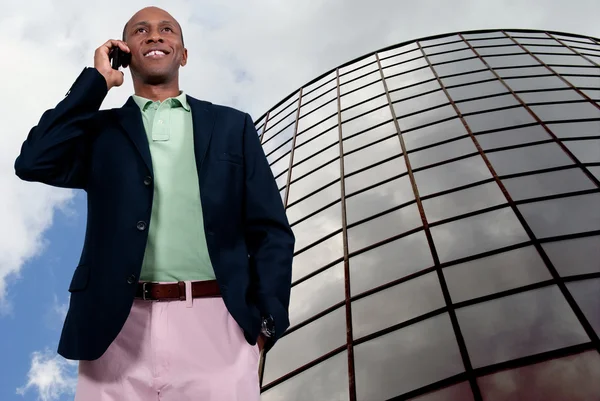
x,y
183,209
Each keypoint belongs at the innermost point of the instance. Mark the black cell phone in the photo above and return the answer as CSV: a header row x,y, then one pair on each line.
x,y
119,58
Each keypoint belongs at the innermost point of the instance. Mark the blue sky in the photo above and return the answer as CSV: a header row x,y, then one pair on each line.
x,y
245,54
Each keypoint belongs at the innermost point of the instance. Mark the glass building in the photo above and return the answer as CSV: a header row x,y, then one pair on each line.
x,y
445,196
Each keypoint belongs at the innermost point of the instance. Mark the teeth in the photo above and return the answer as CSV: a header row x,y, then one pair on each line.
x,y
155,52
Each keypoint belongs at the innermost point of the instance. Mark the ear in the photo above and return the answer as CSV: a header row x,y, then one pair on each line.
x,y
184,57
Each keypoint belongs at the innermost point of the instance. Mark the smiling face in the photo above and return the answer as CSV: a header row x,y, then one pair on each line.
x,y
156,44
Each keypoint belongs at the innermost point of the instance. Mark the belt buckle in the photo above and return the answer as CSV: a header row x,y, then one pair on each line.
x,y
144,291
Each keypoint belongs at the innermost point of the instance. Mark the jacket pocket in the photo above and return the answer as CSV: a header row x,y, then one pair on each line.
x,y
231,157
80,279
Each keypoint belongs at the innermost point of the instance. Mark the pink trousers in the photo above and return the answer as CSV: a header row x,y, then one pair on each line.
x,y
189,350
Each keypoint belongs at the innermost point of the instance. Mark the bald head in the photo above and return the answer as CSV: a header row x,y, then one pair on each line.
x,y
151,10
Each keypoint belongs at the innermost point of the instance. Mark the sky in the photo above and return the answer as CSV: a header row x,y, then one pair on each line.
x,y
247,54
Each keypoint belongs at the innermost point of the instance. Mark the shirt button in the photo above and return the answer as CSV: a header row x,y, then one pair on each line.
x,y
131,279
141,225
160,121
147,181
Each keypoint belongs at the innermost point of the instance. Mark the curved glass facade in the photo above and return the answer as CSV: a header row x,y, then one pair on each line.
x,y
445,196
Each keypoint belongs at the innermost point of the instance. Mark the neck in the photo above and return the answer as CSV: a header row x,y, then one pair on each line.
x,y
158,92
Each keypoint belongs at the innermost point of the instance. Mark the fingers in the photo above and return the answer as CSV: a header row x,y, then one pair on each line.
x,y
112,43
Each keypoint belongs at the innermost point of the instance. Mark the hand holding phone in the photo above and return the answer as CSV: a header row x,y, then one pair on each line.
x,y
104,60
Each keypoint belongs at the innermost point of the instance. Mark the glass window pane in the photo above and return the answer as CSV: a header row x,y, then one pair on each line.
x,y
518,84
442,152
548,49
563,216
275,155
390,68
375,174
313,203
563,59
357,96
426,117
284,124
529,323
433,134
414,90
575,256
467,78
545,184
407,359
419,103
457,44
384,227
457,392
531,38
412,78
481,233
370,136
309,148
475,90
483,35
585,70
281,165
389,262
587,295
366,80
281,179
491,51
469,65
396,304
318,226
529,158
317,116
367,121
378,199
451,175
595,170
299,347
584,82
464,201
549,96
409,50
571,130
492,42
434,43
372,154
317,294
565,111
515,136
328,124
358,64
510,61
522,71
314,181
586,151
325,381
495,273
357,72
278,141
325,98
498,119
573,378
488,103
318,88
440,56
364,107
316,257
308,165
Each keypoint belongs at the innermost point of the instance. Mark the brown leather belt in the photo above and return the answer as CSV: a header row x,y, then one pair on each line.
x,y
156,292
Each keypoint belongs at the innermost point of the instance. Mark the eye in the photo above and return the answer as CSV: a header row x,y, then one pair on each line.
x,y
170,30
139,29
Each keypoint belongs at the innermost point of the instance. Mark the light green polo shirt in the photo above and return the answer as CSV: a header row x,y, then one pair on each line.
x,y
176,248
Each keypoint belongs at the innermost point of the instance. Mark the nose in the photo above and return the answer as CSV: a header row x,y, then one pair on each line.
x,y
154,37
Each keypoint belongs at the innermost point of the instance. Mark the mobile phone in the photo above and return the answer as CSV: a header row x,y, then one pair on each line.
x,y
119,58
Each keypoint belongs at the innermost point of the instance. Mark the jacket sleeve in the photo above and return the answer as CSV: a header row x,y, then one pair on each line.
x,y
57,148
269,237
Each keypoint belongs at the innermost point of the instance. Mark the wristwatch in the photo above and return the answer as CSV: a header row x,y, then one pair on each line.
x,y
268,326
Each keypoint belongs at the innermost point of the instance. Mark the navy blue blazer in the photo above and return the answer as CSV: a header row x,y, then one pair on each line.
x,y
106,153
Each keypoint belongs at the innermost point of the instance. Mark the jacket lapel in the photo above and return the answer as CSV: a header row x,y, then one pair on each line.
x,y
130,119
203,122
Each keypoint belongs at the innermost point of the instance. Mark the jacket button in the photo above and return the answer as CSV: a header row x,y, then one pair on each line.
x,y
141,225
147,181
131,279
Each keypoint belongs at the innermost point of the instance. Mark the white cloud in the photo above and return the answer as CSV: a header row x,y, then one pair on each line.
x,y
248,54
51,376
